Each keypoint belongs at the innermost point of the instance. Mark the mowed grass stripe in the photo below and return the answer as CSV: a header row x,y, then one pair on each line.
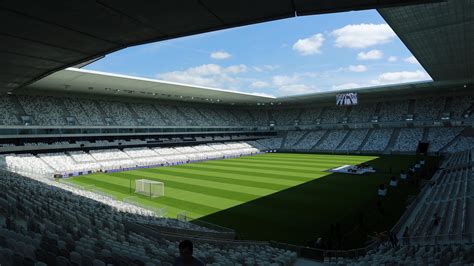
x,y
220,178
299,161
309,156
272,162
197,202
314,156
233,175
273,166
213,191
336,160
173,203
290,174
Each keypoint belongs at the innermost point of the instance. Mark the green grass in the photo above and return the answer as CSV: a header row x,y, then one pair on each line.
x,y
276,196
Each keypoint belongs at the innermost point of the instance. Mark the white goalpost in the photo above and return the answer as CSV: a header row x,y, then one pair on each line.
x,y
149,188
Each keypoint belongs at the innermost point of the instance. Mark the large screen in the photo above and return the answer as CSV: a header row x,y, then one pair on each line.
x,y
349,98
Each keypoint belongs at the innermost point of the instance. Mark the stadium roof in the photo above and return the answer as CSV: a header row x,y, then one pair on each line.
x,y
107,84
88,82
440,35
38,38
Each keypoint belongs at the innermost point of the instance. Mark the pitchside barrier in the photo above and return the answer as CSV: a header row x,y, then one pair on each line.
x,y
184,217
159,212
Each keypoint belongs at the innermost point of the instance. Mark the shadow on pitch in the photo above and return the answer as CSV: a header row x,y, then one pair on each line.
x,y
304,212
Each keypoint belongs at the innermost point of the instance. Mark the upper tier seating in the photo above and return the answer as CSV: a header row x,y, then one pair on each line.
x,y
60,111
285,117
429,108
393,111
309,116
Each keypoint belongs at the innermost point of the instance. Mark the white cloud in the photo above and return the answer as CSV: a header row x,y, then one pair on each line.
x,y
283,80
411,60
346,86
210,75
259,84
392,59
363,35
370,55
309,46
235,69
220,55
400,77
357,68
288,85
265,68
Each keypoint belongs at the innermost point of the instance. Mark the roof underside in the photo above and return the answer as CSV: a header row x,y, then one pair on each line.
x,y
80,81
38,38
440,35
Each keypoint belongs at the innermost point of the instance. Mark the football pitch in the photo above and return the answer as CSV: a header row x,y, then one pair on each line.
x,y
275,196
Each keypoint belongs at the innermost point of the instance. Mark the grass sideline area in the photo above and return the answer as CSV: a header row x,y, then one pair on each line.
x,y
285,197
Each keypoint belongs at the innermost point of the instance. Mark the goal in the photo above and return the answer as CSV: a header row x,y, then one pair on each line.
x,y
149,188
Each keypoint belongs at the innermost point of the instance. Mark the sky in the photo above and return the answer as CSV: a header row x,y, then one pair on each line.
x,y
293,56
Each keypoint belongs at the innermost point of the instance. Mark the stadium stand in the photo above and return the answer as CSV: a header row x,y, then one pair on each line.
x,y
430,241
411,255
362,113
292,138
80,162
460,105
8,113
285,117
428,109
408,139
58,123
309,140
354,140
149,114
71,226
308,116
393,111
60,111
332,114
118,112
332,140
460,144
440,137
378,140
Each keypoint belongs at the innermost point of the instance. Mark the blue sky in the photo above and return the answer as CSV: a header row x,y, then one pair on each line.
x,y
286,57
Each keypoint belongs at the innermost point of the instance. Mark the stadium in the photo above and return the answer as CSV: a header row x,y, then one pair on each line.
x,y
99,168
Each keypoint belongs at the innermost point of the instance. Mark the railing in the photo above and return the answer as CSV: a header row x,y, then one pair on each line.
x,y
320,254
439,239
159,212
184,217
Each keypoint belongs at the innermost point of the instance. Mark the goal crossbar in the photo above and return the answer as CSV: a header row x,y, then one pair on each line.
x,y
149,188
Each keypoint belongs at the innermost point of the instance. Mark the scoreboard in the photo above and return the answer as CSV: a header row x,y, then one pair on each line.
x,y
349,98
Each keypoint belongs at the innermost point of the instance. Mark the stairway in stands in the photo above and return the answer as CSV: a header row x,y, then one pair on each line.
x,y
369,133
323,138
343,140
302,138
20,111
393,140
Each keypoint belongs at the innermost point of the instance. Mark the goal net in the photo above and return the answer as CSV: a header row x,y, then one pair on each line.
x,y
149,188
